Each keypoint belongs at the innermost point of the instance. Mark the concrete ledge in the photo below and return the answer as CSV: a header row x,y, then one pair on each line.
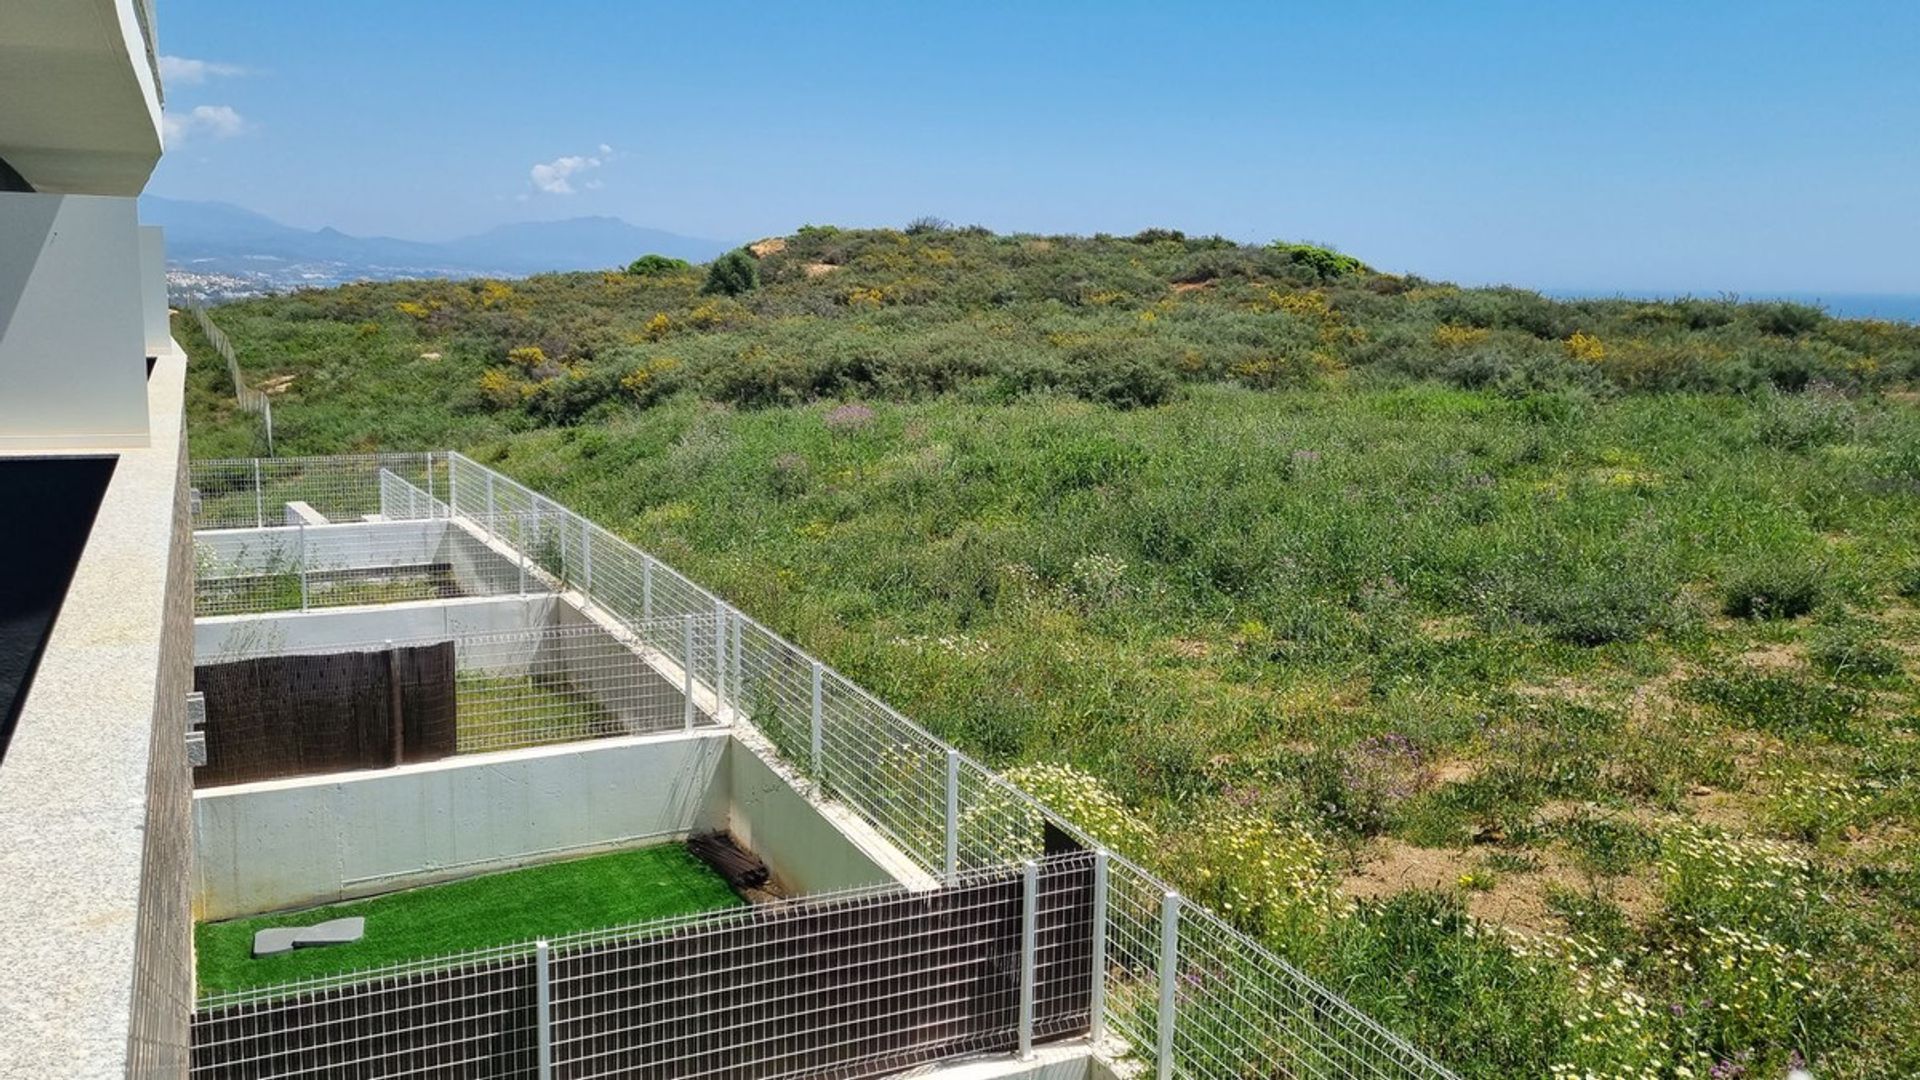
x,y
1073,1060
278,633
74,786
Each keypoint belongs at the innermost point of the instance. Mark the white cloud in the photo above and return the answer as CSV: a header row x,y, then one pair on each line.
x,y
213,121
555,177
180,70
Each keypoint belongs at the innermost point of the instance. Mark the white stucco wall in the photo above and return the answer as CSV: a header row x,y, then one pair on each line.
x,y
313,840
153,290
478,569
72,349
283,844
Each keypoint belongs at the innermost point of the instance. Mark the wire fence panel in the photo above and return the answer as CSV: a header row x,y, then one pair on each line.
x,y
508,690
299,568
476,1016
248,398
857,984
256,493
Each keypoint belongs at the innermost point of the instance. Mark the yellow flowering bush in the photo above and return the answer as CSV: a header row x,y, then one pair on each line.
x,y
658,327
708,315
998,826
1586,347
1449,336
1268,877
1307,305
495,294
503,389
652,379
530,357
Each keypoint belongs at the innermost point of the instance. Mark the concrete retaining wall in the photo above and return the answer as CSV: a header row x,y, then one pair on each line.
x,y
478,569
333,628
296,843
807,852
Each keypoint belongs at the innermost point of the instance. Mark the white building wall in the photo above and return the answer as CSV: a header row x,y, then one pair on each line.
x,y
153,289
72,348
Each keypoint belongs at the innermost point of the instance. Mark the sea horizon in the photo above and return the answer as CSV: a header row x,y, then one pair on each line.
x,y
1895,307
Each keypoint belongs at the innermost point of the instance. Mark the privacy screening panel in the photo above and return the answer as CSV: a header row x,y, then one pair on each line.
x,y
278,716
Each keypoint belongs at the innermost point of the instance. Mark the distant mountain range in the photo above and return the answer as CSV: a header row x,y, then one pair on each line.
x,y
218,250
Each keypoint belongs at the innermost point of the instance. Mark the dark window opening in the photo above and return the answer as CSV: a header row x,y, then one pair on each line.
x,y
56,500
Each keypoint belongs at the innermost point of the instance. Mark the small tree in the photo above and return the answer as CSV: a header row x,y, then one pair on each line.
x,y
734,273
657,266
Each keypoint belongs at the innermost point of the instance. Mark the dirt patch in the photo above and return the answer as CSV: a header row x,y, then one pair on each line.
x,y
429,356
1189,648
1191,286
1716,809
1565,688
1517,898
819,269
764,248
1447,628
1653,700
276,385
1454,771
1783,656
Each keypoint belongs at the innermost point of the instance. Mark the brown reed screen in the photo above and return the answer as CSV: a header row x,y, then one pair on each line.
x,y
277,716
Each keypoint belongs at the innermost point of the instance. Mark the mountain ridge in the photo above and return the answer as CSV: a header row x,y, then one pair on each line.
x,y
225,249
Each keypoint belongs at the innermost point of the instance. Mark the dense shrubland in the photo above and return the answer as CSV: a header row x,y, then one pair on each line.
x,y
1540,674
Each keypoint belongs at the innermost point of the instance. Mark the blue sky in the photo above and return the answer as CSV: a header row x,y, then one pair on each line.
x,y
1642,146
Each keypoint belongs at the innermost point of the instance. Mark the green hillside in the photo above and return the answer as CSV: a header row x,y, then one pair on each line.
x,y
1538,674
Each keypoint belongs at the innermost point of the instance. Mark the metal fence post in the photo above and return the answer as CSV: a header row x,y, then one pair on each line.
x,y
733,658
1097,997
303,565
719,656
586,558
1169,978
646,586
429,479
543,1005
259,499
453,488
953,813
1029,935
818,733
490,507
686,666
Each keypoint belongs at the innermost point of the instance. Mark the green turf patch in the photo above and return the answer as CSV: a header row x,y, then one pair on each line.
x,y
496,909
509,712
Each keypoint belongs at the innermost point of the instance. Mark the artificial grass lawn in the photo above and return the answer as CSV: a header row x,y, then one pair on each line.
x,y
495,909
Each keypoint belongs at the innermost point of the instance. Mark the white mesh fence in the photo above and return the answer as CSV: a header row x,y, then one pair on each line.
x,y
1244,1011
306,566
555,684
248,398
860,983
239,493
